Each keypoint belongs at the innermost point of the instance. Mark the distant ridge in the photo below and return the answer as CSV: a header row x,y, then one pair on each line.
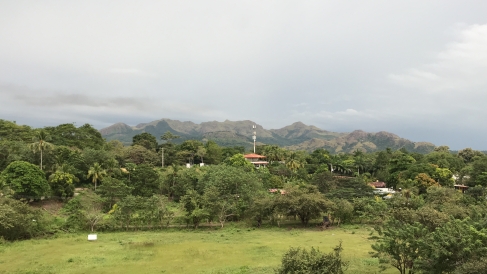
x,y
297,136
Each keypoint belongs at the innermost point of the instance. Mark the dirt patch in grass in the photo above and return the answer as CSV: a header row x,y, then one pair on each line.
x,y
52,206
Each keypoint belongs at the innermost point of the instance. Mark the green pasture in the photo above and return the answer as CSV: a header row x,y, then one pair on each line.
x,y
228,250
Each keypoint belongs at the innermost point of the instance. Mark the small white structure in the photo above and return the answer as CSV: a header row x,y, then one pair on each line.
x,y
384,190
188,165
202,164
92,237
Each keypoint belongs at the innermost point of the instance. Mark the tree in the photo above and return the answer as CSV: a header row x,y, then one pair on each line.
x,y
333,161
442,149
350,189
193,205
234,186
445,160
444,177
176,180
297,260
452,245
324,180
25,180
11,151
126,210
342,211
293,162
140,155
399,244
93,212
169,136
478,192
96,172
201,152
146,140
41,143
84,211
213,153
468,154
62,184
82,137
219,205
228,152
112,190
274,153
145,181
238,160
423,181
188,149
18,220
305,202
473,266
399,162
10,131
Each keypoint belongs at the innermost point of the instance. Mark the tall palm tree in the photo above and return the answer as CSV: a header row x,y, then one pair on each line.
x,y
96,172
334,162
293,163
41,143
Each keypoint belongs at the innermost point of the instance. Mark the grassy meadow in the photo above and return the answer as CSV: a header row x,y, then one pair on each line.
x,y
228,250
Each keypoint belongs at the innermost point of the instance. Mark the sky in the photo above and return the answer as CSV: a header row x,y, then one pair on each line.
x,y
414,68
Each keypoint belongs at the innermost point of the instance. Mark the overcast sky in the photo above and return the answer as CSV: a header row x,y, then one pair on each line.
x,y
414,68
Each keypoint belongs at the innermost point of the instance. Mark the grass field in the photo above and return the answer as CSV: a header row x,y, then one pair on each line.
x,y
230,250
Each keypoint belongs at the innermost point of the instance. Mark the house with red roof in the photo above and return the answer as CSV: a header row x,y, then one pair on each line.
x,y
378,184
256,159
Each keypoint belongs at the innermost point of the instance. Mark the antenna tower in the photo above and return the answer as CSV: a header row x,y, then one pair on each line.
x,y
255,135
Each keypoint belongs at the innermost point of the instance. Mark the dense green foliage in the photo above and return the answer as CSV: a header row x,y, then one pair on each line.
x,y
20,221
426,226
302,261
25,180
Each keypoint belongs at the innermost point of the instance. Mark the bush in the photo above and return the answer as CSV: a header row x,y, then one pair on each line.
x,y
301,261
20,221
26,180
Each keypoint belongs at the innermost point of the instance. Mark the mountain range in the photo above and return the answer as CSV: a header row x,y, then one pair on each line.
x,y
297,136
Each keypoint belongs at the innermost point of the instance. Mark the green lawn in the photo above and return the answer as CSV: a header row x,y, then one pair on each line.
x,y
231,250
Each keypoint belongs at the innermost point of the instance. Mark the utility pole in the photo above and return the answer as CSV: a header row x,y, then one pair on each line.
x,y
255,135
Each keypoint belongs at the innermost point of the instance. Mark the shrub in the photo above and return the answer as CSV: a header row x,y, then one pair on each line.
x,y
301,261
26,180
20,221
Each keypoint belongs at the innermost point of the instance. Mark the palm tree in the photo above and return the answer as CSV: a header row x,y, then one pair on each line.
x,y
96,172
334,162
293,162
41,143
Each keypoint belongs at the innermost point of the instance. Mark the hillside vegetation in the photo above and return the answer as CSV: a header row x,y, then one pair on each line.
x,y
63,180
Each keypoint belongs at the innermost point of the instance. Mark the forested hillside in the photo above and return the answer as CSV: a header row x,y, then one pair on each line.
x,y
297,136
422,223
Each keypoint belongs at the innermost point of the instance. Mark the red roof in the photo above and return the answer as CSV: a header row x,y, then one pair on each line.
x,y
378,184
253,155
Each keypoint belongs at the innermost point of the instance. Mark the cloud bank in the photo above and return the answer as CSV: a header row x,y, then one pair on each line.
x,y
418,69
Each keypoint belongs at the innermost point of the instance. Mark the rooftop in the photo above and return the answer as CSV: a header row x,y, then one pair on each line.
x,y
253,155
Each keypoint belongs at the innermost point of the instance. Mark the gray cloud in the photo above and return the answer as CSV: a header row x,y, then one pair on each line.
x,y
42,98
415,68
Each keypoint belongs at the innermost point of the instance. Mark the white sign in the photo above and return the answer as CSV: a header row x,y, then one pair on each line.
x,y
92,237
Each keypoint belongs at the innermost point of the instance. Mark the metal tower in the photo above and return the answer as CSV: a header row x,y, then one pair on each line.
x,y
255,135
